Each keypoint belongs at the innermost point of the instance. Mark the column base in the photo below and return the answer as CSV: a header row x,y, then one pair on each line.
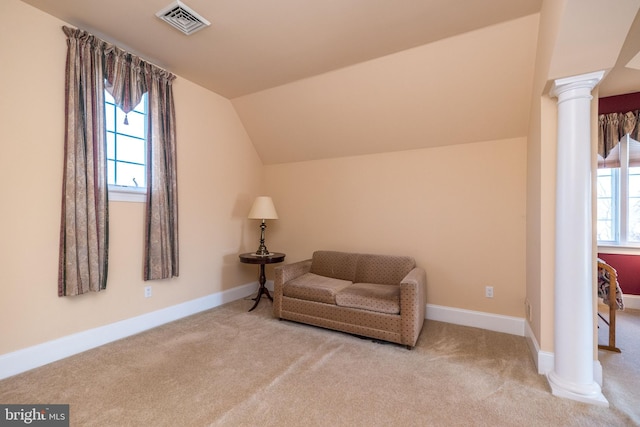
x,y
586,393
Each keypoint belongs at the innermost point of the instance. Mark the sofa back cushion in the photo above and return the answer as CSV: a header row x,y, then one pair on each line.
x,y
339,265
383,269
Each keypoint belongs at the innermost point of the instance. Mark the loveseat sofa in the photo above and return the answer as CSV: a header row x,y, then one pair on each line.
x,y
376,296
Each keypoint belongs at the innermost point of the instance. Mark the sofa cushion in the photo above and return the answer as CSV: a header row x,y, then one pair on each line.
x,y
370,296
339,265
383,269
314,287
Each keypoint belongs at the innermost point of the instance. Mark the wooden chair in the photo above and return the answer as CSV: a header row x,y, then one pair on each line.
x,y
611,323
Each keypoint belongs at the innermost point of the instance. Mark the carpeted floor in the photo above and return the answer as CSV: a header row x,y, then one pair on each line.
x,y
622,370
228,367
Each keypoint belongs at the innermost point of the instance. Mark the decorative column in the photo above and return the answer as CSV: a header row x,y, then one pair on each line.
x,y
573,374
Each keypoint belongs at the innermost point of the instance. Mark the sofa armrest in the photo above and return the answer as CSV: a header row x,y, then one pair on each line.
x,y
284,273
413,299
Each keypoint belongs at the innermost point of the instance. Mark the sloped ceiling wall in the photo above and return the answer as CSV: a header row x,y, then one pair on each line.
x,y
468,88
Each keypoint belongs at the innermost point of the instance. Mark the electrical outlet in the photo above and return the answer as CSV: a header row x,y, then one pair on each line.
x,y
147,291
488,291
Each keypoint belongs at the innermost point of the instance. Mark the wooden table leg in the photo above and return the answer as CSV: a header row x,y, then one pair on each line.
x,y
262,289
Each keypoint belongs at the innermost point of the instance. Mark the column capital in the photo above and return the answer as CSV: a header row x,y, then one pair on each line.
x,y
581,84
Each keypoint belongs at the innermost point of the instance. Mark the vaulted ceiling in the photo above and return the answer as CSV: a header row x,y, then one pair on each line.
x,y
319,79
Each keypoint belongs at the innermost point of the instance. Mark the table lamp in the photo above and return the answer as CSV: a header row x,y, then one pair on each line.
x,y
263,209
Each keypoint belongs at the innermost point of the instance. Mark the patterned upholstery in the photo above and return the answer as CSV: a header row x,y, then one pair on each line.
x,y
339,265
383,269
605,271
314,287
386,301
370,296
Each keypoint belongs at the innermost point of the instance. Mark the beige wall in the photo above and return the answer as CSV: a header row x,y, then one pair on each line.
x,y
219,173
541,178
459,210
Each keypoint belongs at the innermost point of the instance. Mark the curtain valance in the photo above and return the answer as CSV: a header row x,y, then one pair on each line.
x,y
612,128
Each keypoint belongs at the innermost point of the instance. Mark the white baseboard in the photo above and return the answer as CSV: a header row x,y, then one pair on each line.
x,y
50,351
545,360
632,301
477,319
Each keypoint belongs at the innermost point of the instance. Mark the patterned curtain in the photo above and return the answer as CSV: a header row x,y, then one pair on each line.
x,y
84,224
125,78
612,128
92,65
161,231
128,79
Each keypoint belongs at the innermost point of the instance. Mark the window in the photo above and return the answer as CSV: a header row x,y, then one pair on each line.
x,y
126,147
618,195
607,203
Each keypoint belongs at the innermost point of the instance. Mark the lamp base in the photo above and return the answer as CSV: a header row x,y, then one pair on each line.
x,y
262,251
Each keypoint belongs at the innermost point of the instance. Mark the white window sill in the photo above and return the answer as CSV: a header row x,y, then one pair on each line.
x,y
127,194
619,250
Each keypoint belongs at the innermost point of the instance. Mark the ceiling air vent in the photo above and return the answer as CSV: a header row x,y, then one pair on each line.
x,y
185,19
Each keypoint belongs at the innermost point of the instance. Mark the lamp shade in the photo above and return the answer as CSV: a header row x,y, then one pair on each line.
x,y
263,208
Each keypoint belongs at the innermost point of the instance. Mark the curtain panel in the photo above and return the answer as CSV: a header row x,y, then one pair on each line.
x,y
84,225
161,231
92,66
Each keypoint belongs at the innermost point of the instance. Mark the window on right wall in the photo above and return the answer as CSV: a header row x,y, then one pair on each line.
x,y
618,195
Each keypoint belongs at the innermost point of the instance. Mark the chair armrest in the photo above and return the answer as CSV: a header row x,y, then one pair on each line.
x,y
413,299
284,273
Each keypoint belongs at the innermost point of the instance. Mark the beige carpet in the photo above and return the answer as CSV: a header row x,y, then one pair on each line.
x,y
228,367
622,370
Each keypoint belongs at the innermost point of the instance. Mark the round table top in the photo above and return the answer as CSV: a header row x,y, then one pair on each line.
x,y
252,258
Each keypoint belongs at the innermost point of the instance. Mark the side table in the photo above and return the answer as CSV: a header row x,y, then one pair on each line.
x,y
262,260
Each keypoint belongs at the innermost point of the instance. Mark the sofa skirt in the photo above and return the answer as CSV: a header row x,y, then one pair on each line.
x,y
355,321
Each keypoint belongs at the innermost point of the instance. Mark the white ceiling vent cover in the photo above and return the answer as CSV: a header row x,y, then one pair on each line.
x,y
180,16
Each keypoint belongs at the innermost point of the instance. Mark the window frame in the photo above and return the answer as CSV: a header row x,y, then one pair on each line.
x,y
125,193
620,206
